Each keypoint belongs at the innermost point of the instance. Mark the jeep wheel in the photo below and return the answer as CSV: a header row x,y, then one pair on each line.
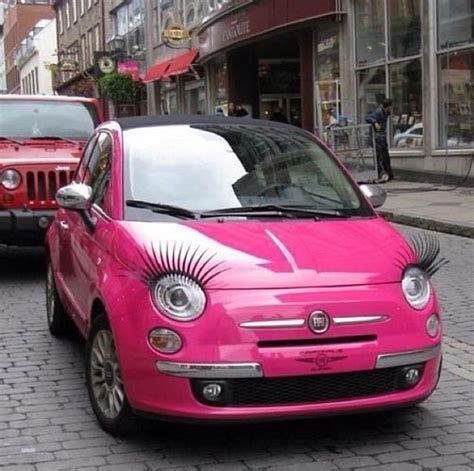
x,y
104,381
59,322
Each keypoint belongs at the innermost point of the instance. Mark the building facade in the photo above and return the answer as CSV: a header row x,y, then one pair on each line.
x,y
313,62
35,58
80,34
20,18
3,78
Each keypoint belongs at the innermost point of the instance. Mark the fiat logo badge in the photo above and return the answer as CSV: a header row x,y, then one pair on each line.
x,y
318,322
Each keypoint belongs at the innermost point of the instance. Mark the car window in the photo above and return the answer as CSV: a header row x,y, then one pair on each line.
x,y
99,170
221,166
86,155
23,119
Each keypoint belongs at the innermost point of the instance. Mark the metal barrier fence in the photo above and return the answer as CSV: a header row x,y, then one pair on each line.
x,y
355,145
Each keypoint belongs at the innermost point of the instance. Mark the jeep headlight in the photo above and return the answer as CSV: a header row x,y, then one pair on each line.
x,y
179,297
10,179
416,287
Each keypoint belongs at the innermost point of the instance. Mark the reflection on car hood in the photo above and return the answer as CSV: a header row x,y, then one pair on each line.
x,y
256,254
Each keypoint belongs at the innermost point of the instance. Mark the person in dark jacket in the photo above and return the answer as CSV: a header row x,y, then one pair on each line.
x,y
378,119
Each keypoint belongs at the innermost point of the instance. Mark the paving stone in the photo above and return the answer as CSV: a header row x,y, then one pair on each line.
x,y
44,404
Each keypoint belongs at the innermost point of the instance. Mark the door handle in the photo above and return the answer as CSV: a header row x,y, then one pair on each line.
x,y
63,225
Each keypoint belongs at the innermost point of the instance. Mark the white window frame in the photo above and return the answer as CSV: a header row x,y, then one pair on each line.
x,y
68,14
74,11
60,20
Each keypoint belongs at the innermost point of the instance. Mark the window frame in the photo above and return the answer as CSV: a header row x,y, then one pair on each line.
x,y
386,63
436,101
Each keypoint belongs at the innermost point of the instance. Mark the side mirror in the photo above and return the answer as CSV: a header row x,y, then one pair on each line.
x,y
374,194
75,196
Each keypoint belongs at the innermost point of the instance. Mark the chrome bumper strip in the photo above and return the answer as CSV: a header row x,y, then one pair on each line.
x,y
390,360
210,370
273,324
358,320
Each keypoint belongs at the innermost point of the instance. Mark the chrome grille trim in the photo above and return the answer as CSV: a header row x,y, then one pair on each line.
x,y
358,320
210,370
273,324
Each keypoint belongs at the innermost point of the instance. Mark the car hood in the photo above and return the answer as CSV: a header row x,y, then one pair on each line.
x,y
256,254
49,152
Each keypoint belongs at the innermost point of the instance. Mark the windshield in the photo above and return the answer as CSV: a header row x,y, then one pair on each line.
x,y
36,119
214,167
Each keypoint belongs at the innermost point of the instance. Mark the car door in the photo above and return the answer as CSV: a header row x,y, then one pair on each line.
x,y
67,221
89,245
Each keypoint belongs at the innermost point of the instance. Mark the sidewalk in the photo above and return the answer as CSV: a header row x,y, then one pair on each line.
x,y
430,206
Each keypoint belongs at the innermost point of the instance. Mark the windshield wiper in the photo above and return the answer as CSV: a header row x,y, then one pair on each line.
x,y
163,209
274,210
3,138
52,138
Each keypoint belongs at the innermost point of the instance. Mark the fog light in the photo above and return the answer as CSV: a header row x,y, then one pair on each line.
x,y
412,376
212,392
165,340
43,222
432,325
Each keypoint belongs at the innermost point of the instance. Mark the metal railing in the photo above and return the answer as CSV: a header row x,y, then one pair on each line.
x,y
355,145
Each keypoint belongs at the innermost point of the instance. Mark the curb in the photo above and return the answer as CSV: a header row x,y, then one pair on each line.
x,y
426,223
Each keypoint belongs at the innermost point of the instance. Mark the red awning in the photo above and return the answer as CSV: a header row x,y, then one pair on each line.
x,y
157,71
181,64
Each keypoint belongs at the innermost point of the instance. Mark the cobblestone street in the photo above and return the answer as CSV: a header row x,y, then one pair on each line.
x,y
46,422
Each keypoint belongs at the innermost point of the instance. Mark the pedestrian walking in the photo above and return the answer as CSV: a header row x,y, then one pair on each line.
x,y
378,119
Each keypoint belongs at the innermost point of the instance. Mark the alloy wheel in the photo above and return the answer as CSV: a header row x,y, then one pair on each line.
x,y
106,381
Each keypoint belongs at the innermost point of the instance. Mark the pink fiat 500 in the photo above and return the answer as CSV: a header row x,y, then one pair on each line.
x,y
231,269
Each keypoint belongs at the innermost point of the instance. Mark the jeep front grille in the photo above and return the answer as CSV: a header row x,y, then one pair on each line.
x,y
41,186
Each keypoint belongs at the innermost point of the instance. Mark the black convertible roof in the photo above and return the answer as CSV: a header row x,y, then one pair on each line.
x,y
146,121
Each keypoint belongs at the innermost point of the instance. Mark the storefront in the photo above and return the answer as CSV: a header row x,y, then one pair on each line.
x,y
259,54
421,55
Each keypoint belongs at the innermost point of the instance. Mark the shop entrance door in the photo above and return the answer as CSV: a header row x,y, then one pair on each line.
x,y
289,105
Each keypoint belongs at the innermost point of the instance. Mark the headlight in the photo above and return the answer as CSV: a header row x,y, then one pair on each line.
x,y
416,287
10,179
179,297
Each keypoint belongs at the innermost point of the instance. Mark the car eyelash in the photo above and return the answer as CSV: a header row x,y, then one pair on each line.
x,y
178,258
424,253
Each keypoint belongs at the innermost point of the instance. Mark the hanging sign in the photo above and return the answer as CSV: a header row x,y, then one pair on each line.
x,y
176,36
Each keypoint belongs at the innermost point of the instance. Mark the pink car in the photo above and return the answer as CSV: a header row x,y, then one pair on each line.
x,y
230,269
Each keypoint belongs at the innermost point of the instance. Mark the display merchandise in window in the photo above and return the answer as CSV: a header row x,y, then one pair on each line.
x,y
456,98
407,113
370,31
455,23
404,28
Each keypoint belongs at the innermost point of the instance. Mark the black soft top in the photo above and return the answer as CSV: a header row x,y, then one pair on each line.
x,y
160,120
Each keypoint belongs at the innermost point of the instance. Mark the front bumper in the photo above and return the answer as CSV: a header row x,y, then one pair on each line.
x,y
24,227
379,333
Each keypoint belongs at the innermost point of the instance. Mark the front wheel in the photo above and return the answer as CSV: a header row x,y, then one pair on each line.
x,y
104,381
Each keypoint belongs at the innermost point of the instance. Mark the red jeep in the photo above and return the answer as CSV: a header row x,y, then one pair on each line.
x,y
41,140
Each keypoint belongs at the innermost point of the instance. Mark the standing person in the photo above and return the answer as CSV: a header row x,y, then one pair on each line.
x,y
378,119
240,111
232,111
279,116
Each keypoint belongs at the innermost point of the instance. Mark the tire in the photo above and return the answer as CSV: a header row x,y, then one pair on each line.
x,y
59,323
104,384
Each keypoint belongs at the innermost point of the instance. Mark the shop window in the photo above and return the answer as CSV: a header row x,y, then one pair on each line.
x,y
372,89
455,23
327,76
456,98
404,27
370,31
406,92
